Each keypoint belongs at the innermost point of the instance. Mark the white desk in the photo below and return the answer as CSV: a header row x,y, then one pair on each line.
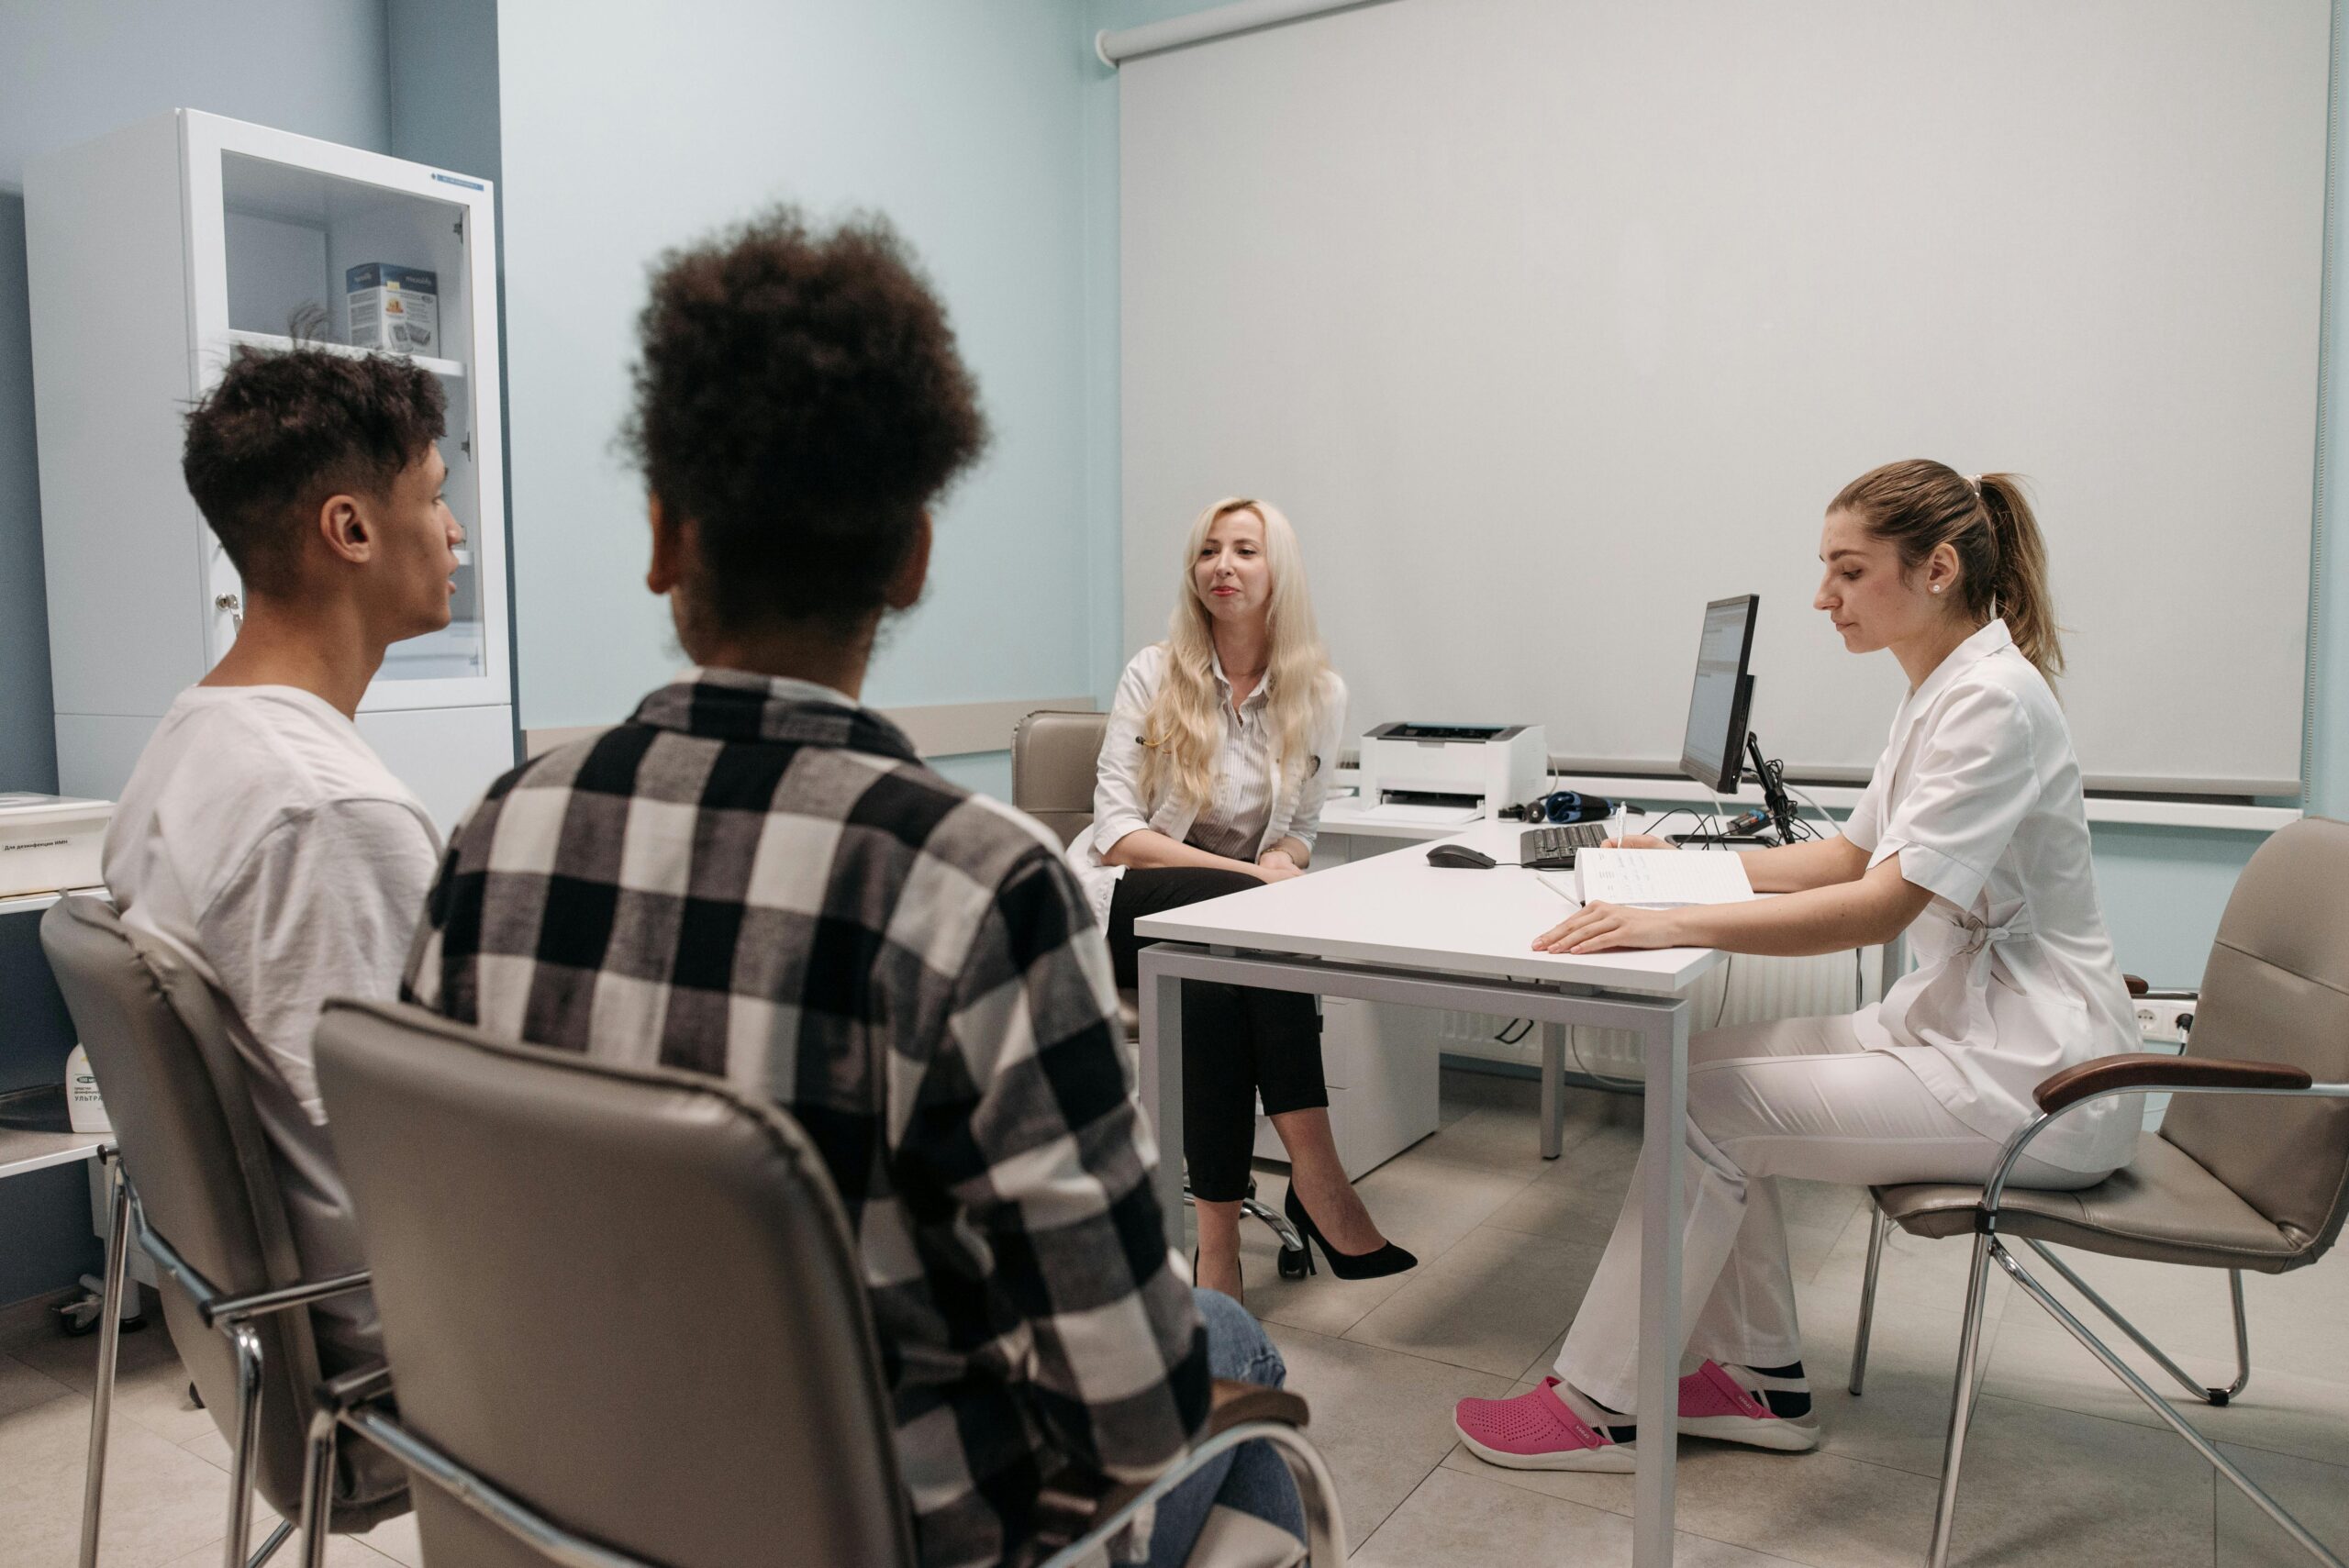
x,y
1394,928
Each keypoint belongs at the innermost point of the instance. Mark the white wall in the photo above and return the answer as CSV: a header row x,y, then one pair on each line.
x,y
960,123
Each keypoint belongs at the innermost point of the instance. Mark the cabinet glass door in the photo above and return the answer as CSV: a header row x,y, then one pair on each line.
x,y
353,253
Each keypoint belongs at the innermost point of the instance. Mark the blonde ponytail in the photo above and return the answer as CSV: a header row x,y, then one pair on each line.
x,y
2019,577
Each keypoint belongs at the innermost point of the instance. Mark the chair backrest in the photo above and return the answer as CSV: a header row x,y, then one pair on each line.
x,y
196,1154
1054,758
2277,989
627,1297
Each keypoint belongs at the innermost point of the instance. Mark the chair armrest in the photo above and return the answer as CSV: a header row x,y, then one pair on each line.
x,y
261,1303
1234,1402
1074,1501
355,1387
2145,1070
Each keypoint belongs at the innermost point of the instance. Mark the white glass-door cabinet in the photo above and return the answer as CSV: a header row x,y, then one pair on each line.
x,y
152,252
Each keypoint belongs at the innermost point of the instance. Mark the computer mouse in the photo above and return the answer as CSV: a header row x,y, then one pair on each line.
x,y
1460,855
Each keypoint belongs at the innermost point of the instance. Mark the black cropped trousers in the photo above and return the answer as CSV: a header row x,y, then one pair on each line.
x,y
1238,1043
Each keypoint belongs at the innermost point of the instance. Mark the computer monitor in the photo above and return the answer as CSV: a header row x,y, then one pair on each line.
x,y
1713,750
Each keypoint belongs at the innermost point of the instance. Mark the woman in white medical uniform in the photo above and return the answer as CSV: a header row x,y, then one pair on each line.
x,y
1971,838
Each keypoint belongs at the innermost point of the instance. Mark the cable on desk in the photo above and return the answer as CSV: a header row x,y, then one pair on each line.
x,y
1694,816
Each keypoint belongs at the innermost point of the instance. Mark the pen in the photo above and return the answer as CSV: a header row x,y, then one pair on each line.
x,y
1559,891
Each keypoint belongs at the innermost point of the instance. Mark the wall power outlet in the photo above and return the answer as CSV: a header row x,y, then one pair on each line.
x,y
2166,1018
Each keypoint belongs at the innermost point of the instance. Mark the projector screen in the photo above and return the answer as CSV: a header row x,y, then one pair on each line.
x,y
1548,321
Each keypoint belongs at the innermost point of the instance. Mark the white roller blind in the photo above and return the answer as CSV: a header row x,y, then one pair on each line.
x,y
1549,320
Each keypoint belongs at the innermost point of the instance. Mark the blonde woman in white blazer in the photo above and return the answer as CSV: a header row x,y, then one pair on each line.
x,y
1218,758
1972,836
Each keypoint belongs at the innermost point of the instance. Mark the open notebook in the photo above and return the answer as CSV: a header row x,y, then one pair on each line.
x,y
1656,879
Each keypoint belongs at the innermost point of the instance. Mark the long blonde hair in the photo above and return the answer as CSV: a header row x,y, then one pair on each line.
x,y
1181,733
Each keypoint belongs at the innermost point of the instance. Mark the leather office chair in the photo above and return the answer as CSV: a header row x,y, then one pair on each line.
x,y
2229,1181
628,1318
1055,756
194,1180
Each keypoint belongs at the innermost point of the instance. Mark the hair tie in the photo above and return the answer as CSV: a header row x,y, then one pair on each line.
x,y
1975,481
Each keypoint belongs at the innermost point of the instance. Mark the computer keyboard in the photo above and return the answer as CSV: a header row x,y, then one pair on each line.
x,y
1552,848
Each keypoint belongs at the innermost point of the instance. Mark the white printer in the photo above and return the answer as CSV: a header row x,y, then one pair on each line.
x,y
1480,766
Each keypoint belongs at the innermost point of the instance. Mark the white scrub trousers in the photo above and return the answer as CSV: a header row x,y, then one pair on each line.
x,y
1791,1097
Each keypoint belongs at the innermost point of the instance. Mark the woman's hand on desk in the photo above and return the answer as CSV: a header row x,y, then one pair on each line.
x,y
1599,927
1638,842
1275,866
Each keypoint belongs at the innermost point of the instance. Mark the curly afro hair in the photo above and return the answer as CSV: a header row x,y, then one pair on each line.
x,y
286,429
800,398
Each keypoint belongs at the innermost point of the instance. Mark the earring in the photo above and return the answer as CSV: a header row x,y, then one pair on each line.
x,y
1937,588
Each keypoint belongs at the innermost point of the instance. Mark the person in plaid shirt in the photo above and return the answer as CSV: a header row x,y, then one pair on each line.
x,y
756,877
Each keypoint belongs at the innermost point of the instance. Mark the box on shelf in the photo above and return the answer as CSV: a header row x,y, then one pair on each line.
x,y
49,842
393,307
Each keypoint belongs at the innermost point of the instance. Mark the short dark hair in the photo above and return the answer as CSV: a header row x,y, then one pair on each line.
x,y
801,400
285,429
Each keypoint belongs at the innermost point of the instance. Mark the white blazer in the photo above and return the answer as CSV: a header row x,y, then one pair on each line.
x,y
1979,793
1120,805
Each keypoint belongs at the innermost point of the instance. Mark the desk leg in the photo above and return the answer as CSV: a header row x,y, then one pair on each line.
x,y
1160,1002
1664,1048
1553,1084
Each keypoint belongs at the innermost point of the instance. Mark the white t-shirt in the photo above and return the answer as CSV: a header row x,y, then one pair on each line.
x,y
1979,793
264,844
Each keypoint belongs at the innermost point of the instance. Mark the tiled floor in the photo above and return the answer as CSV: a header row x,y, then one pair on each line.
x,y
2065,1468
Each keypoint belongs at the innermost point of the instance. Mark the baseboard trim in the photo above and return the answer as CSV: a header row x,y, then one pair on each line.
x,y
939,729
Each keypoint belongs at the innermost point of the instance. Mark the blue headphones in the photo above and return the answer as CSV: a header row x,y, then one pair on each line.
x,y
1562,805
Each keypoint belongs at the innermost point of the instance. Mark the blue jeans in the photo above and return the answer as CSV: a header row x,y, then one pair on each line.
x,y
1251,1478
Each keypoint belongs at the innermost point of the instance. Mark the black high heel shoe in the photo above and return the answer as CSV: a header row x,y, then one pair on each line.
x,y
1388,1260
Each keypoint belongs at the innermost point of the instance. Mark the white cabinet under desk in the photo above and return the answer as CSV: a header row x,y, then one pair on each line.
x,y
153,254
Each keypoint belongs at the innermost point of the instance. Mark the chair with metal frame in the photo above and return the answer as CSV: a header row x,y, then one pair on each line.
x,y
191,1178
630,1321
2229,1182
1055,756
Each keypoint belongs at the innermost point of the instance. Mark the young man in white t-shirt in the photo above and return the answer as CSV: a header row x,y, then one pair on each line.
x,y
260,839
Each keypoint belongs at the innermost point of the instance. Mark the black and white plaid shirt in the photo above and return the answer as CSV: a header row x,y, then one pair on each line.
x,y
748,880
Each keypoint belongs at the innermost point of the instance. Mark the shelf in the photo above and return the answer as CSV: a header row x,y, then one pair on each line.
x,y
2101,810
273,342
34,903
24,1151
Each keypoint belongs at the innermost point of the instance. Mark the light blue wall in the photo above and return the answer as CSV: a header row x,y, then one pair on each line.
x,y
70,72
960,123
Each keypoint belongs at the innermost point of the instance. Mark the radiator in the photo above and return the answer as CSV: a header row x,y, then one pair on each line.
x,y
1747,989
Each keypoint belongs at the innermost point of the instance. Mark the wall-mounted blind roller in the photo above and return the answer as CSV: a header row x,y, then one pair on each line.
x,y
1549,320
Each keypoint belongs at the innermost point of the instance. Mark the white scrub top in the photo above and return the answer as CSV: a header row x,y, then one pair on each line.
x,y
1979,793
